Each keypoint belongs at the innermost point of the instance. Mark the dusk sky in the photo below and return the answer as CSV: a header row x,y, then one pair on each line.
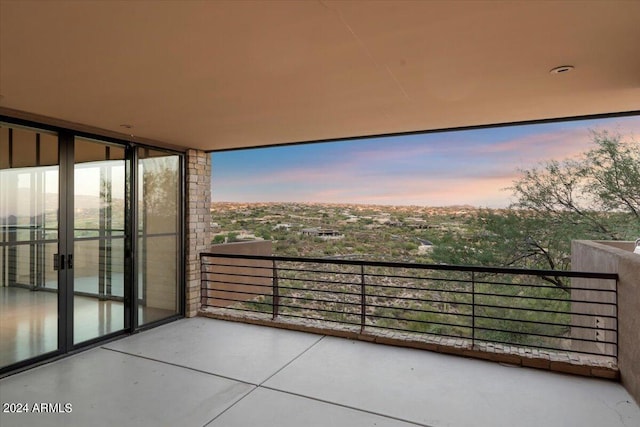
x,y
471,167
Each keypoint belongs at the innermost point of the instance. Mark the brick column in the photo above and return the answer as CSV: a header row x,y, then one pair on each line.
x,y
198,223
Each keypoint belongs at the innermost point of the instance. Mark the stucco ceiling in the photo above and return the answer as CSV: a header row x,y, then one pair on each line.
x,y
227,74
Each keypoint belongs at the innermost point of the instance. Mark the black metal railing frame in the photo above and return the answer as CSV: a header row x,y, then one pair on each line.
x,y
274,274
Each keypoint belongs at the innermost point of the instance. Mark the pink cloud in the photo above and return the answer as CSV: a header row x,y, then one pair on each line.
x,y
359,176
424,191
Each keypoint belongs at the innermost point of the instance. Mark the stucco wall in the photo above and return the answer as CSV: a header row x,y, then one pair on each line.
x,y
618,257
598,318
230,279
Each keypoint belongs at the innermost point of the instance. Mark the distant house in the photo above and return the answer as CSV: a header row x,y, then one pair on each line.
x,y
286,227
417,223
351,219
309,231
324,233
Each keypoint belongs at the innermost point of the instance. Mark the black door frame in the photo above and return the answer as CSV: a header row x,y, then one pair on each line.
x,y
66,163
66,243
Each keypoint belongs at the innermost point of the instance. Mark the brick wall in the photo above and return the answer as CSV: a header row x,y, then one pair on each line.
x,y
198,227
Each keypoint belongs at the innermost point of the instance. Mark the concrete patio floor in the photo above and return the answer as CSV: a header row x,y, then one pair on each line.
x,y
204,372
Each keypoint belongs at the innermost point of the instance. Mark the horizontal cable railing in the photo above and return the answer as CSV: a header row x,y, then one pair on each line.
x,y
549,310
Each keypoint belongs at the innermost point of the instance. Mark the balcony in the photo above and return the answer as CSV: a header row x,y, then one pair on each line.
x,y
557,320
199,371
577,322
294,72
324,363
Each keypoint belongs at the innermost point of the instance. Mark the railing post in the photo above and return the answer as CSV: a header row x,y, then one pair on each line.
x,y
203,286
473,309
363,300
617,345
276,292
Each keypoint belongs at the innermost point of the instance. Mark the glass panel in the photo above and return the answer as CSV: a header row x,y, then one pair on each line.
x,y
98,267
28,241
158,234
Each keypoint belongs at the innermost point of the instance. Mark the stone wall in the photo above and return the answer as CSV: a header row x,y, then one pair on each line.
x,y
198,223
618,257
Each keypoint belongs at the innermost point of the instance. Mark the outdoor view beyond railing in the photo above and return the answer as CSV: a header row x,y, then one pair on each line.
x,y
506,306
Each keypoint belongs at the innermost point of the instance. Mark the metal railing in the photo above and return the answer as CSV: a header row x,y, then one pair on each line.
x,y
541,309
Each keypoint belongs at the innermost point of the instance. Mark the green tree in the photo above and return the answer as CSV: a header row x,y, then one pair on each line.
x,y
599,192
596,196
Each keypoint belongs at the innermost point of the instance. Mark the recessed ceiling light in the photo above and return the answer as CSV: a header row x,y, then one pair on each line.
x,y
126,126
562,69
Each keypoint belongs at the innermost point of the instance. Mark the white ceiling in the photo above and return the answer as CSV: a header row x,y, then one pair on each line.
x,y
227,74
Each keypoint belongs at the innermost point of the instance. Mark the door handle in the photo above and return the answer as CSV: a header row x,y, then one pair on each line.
x,y
70,261
58,262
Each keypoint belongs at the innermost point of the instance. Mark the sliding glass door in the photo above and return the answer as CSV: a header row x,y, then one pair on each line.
x,y
90,241
158,250
98,239
29,184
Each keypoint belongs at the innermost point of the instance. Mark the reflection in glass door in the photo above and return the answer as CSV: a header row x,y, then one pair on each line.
x,y
29,187
65,203
158,250
99,240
